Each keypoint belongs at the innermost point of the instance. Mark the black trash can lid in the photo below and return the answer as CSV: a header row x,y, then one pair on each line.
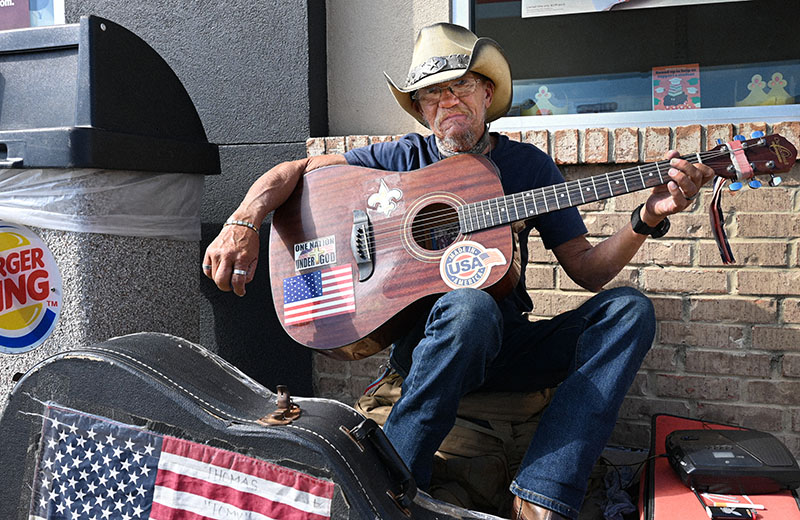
x,y
95,95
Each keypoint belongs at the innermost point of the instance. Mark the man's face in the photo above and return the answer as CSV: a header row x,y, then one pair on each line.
x,y
458,121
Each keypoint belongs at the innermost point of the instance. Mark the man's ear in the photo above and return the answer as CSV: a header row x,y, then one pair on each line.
x,y
489,86
421,115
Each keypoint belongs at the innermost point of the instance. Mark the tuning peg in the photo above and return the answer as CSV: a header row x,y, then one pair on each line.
x,y
754,184
739,138
774,180
735,186
757,134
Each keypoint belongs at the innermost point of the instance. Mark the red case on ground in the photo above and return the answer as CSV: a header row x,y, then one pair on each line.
x,y
664,497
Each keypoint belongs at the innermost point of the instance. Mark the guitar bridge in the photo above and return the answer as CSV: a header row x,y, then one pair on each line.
x,y
361,244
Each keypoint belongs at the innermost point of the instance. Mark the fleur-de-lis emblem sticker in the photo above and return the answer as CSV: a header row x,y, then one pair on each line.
x,y
385,200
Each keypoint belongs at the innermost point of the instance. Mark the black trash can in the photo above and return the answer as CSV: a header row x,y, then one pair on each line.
x,y
102,157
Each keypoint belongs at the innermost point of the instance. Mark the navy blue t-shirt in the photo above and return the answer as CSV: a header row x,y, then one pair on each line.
x,y
522,167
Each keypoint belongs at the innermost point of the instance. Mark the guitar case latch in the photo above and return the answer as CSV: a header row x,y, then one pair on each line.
x,y
368,432
286,412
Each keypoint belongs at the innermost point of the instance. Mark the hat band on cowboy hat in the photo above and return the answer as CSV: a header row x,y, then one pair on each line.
x,y
436,64
444,52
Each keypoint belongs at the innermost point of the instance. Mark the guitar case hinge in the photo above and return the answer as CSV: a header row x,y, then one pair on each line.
x,y
286,412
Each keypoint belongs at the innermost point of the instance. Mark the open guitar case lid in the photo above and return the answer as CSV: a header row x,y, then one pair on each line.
x,y
165,387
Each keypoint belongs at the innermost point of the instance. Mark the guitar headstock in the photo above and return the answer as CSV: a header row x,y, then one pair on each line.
x,y
766,155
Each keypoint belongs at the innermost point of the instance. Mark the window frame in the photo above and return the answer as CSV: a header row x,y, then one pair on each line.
x,y
462,13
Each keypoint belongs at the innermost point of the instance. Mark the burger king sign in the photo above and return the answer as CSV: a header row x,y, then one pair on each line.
x,y
30,290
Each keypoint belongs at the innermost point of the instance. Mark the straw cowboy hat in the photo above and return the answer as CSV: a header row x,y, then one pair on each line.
x,y
444,52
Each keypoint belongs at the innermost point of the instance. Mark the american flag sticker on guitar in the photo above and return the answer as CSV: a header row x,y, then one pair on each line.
x,y
320,294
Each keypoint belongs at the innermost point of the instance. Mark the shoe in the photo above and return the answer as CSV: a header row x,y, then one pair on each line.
x,y
523,510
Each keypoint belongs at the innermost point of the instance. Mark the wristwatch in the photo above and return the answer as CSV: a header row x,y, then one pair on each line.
x,y
643,229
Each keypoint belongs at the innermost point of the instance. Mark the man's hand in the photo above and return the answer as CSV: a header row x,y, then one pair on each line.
x,y
231,259
678,193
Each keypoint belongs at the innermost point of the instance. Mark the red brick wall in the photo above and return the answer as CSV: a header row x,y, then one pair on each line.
x,y
728,341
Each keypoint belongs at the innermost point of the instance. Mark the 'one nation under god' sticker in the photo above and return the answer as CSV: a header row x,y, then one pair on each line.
x,y
315,253
468,264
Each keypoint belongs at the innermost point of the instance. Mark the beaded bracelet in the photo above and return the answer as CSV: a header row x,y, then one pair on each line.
x,y
232,222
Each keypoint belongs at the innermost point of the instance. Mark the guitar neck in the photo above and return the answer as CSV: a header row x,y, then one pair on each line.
x,y
528,204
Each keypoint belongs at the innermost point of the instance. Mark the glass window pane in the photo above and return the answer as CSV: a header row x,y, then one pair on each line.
x,y
746,54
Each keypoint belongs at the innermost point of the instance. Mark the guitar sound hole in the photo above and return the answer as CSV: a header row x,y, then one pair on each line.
x,y
435,227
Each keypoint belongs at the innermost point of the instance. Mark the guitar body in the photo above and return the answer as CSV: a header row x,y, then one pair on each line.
x,y
412,224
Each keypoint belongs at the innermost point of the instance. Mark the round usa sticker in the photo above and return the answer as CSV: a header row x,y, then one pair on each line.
x,y
468,264
30,290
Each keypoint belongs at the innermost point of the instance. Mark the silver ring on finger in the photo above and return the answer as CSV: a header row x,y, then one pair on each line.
x,y
240,272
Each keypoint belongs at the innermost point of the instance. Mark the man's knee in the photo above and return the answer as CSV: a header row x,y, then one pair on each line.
x,y
470,301
629,302
470,315
469,311
633,311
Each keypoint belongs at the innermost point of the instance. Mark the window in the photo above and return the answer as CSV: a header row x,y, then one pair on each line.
x,y
685,63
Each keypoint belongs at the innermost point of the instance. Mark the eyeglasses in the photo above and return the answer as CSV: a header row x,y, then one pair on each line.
x,y
460,88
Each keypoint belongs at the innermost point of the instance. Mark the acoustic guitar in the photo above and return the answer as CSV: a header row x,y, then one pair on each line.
x,y
355,253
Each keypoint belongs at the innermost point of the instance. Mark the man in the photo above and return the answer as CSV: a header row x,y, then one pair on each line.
x,y
456,85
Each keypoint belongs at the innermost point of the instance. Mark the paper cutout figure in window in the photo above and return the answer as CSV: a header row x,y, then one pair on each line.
x,y
544,106
777,94
757,96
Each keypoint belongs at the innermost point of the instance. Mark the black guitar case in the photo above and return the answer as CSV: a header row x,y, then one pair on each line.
x,y
163,386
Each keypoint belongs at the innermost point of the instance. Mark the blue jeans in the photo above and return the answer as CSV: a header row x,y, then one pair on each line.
x,y
469,342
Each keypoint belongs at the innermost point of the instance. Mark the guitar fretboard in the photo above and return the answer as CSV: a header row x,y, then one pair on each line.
x,y
527,204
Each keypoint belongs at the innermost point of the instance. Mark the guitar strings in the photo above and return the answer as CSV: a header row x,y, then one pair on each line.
x,y
447,221
573,188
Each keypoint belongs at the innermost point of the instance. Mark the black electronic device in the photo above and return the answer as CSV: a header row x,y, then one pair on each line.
x,y
742,462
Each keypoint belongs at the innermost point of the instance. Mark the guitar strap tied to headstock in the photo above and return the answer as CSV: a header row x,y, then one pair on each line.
x,y
744,171
739,161
718,222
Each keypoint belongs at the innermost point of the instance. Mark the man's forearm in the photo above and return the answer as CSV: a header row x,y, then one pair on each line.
x,y
607,259
593,266
272,189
